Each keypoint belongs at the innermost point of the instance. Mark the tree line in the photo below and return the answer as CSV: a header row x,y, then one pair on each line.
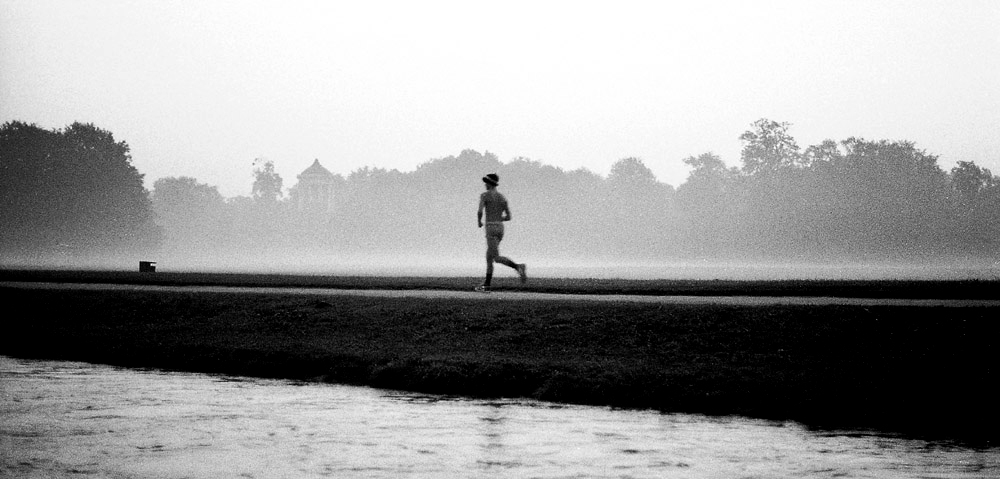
x,y
70,192
853,199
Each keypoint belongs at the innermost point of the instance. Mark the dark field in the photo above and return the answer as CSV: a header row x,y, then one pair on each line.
x,y
920,370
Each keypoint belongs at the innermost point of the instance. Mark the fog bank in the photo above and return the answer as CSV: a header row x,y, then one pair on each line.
x,y
473,266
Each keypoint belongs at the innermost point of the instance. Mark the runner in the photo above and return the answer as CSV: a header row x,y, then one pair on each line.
x,y
497,211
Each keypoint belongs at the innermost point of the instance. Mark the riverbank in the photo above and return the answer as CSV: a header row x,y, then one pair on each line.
x,y
910,369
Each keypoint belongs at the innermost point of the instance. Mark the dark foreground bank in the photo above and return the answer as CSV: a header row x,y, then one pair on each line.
x,y
927,371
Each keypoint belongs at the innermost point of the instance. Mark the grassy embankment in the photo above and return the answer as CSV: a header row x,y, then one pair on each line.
x,y
917,369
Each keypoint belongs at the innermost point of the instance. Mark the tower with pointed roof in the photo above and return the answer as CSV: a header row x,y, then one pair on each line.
x,y
314,193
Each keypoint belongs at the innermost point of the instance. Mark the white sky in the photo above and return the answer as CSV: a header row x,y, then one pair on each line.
x,y
201,88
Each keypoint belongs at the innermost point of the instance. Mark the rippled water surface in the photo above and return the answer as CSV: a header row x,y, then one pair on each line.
x,y
63,419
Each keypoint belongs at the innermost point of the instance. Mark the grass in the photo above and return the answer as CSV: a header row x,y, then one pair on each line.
x,y
926,370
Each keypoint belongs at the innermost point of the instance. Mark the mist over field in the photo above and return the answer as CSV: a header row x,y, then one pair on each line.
x,y
850,209
539,267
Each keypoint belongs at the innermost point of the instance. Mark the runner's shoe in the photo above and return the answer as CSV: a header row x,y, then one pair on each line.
x,y
482,289
522,271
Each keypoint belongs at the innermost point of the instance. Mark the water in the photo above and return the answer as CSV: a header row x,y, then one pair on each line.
x,y
65,419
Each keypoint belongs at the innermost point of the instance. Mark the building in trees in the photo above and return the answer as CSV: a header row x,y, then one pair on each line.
x,y
314,192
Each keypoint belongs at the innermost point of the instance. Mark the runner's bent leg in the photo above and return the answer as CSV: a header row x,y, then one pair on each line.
x,y
506,261
495,245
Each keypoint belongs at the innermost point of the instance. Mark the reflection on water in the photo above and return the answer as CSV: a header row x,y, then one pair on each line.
x,y
61,419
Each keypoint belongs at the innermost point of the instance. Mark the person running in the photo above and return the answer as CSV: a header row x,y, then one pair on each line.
x,y
497,211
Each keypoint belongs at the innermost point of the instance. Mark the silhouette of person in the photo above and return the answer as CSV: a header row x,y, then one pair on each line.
x,y
494,204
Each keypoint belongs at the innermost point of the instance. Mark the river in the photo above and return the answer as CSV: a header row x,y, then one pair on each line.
x,y
69,419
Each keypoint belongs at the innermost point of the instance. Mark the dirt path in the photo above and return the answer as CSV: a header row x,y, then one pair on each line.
x,y
522,296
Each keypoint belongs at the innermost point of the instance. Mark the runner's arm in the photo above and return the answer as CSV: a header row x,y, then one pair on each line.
x,y
479,214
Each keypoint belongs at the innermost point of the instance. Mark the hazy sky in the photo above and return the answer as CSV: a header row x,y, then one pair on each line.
x,y
201,88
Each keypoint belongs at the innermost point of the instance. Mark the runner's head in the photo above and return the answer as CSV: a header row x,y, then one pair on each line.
x,y
491,180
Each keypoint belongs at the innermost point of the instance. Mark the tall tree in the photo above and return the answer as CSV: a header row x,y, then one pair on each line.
x,y
976,225
969,180
74,187
28,201
266,182
824,153
768,147
707,203
631,172
192,214
707,167
894,197
771,166
638,209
